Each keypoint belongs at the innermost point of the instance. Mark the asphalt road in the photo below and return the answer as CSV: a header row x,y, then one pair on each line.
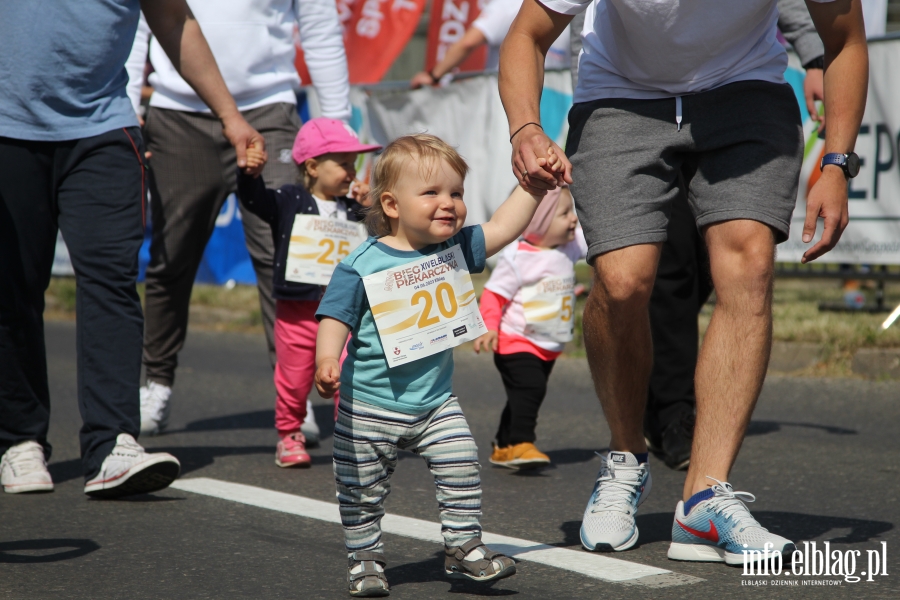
x,y
822,457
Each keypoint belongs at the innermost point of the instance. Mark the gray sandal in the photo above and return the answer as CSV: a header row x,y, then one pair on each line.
x,y
490,567
369,582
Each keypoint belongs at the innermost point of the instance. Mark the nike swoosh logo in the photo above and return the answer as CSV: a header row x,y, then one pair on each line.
x,y
711,535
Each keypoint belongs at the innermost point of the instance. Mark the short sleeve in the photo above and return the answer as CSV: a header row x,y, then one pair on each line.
x,y
471,241
344,298
495,19
567,7
504,280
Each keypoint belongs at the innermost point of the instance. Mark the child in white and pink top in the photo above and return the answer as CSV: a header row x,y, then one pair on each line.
x,y
528,308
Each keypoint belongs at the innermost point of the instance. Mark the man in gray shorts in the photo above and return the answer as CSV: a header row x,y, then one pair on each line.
x,y
682,284
671,89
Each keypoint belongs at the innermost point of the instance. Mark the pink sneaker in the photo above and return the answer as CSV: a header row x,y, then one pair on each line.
x,y
291,451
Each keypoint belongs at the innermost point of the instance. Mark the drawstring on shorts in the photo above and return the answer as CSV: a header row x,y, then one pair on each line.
x,y
678,112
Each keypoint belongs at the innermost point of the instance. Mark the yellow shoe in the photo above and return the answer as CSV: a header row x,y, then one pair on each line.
x,y
527,456
500,456
520,456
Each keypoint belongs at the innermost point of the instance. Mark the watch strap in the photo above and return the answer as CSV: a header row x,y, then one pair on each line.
x,y
834,158
816,63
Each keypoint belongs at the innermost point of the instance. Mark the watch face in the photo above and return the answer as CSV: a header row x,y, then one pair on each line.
x,y
852,164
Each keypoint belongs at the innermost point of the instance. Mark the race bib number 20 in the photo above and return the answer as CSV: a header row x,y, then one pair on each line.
x,y
424,307
317,245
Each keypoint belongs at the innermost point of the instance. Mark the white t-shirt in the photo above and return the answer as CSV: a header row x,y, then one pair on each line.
x,y
875,16
646,49
521,264
494,21
332,209
253,44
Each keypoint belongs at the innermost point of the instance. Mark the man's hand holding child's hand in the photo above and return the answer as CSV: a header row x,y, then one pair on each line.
x,y
554,165
256,159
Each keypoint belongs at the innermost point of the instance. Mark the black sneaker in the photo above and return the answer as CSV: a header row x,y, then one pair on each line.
x,y
654,442
676,442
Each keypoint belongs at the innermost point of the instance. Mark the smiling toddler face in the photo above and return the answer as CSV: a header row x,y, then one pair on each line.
x,y
429,197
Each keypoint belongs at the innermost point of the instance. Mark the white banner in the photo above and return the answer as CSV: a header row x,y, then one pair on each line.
x,y
873,235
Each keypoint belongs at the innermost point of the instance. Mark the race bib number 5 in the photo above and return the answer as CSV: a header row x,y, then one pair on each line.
x,y
317,245
424,307
549,309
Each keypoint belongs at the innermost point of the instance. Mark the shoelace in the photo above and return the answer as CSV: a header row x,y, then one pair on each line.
x,y
616,492
126,448
26,460
730,504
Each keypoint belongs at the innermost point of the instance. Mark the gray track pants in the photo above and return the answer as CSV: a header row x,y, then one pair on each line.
x,y
195,170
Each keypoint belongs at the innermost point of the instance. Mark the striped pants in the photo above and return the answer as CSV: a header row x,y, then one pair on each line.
x,y
366,440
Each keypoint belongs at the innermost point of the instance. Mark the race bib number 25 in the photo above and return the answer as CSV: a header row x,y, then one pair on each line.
x,y
424,307
317,245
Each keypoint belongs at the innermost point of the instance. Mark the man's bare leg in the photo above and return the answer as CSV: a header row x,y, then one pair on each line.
x,y
735,352
617,339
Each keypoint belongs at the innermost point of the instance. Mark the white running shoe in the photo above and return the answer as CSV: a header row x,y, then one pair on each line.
x,y
310,428
129,469
23,468
154,408
622,485
720,528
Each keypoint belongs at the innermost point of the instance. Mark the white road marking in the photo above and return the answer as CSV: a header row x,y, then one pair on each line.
x,y
592,565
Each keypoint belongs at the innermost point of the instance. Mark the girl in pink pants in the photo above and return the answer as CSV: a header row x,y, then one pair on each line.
x,y
295,344
325,151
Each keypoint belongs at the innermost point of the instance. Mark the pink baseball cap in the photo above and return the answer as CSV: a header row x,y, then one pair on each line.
x,y
321,136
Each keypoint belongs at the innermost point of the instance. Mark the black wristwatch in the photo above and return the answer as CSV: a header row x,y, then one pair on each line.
x,y
849,163
816,63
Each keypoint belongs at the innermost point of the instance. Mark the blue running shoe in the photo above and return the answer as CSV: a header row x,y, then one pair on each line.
x,y
719,528
622,485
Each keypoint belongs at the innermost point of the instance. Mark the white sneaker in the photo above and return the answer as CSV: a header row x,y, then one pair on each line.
x,y
129,469
23,468
720,528
622,485
310,428
154,408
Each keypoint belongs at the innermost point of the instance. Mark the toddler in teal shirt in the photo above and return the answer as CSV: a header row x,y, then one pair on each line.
x,y
406,296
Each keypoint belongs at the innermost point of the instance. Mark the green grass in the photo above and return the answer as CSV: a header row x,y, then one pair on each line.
x,y
212,307
797,317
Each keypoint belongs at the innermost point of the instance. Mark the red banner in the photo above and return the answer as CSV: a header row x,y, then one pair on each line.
x,y
449,21
375,33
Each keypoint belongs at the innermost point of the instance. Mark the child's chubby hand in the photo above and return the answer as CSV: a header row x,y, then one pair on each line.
x,y
553,164
256,160
328,377
359,191
487,342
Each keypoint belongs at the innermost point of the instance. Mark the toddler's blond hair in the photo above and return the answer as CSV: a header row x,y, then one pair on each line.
x,y
428,149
